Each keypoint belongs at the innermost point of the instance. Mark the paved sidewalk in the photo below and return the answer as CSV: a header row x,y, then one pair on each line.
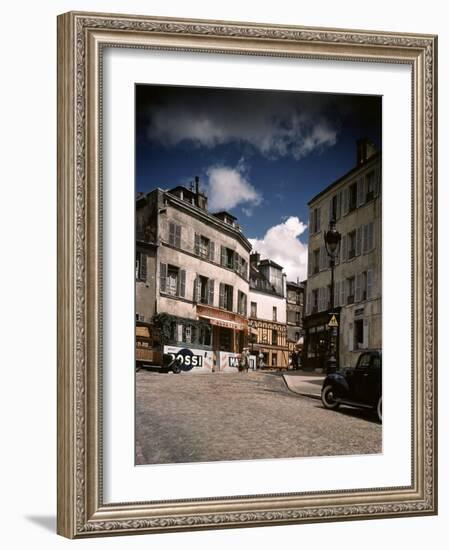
x,y
302,383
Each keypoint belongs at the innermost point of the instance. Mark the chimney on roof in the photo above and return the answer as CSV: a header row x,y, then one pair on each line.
x,y
200,198
365,150
254,258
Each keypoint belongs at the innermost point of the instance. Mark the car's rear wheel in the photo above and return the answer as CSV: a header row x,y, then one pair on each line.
x,y
379,409
328,399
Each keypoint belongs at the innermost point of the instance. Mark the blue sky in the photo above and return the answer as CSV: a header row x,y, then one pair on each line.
x,y
261,155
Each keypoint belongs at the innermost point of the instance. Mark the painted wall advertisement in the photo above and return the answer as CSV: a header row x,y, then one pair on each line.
x,y
228,362
192,360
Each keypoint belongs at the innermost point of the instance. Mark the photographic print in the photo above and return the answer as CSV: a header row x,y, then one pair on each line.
x,y
223,190
258,274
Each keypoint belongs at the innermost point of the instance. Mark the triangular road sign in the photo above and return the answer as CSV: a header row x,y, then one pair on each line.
x,y
333,322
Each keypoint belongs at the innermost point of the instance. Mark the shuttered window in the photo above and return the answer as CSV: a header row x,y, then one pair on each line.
x,y
182,283
211,290
141,266
369,284
344,248
358,287
342,293
323,258
368,237
172,280
361,191
337,291
315,220
163,277
358,242
351,337
365,333
242,303
345,205
197,244
174,234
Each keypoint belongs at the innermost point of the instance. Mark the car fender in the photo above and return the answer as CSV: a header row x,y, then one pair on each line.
x,y
338,383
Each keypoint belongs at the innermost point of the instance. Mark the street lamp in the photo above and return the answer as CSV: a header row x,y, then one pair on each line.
x,y
332,240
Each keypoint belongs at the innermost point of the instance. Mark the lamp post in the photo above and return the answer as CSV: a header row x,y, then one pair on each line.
x,y
332,240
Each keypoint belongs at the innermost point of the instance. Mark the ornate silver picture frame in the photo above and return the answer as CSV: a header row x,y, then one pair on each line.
x,y
83,510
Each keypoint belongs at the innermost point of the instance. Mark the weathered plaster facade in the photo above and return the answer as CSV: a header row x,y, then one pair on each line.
x,y
192,258
355,201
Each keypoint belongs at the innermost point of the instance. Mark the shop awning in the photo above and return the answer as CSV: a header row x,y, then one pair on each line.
x,y
222,323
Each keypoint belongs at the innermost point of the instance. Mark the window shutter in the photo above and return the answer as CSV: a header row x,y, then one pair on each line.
x,y
307,303
342,292
212,251
197,244
369,284
211,288
223,255
222,295
171,233
195,289
365,333
182,283
178,236
336,293
245,305
344,248
371,235
323,255
330,211
365,239
351,337
143,266
231,304
311,224
309,262
345,201
338,209
237,262
163,277
358,241
318,219
377,179
358,287
361,191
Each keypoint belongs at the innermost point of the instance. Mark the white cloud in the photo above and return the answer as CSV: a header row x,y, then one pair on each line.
x,y
274,129
282,244
229,187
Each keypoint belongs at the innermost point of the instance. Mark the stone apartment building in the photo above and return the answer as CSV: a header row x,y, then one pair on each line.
x,y
192,276
295,314
355,202
268,312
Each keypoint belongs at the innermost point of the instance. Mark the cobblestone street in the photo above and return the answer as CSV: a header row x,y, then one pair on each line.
x,y
200,418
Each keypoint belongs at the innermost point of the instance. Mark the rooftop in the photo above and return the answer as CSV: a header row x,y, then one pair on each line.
x,y
371,160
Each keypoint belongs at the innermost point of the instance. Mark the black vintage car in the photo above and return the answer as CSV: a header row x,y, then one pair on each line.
x,y
359,387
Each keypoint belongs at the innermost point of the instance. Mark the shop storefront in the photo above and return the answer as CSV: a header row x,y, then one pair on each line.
x,y
316,341
229,336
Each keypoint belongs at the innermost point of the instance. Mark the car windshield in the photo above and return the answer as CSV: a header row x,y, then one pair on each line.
x,y
364,361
